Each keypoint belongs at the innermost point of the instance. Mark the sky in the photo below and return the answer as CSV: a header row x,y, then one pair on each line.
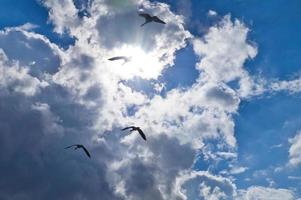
x,y
216,91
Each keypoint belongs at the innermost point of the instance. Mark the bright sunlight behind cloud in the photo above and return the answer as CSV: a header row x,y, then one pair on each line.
x,y
204,138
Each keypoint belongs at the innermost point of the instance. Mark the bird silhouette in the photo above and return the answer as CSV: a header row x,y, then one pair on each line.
x,y
148,18
78,146
124,58
134,128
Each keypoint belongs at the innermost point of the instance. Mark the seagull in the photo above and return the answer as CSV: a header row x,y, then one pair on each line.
x,y
77,146
149,19
124,58
134,128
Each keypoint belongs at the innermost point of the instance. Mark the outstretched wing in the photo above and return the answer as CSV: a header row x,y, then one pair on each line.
x,y
71,146
129,127
142,134
86,151
156,19
146,16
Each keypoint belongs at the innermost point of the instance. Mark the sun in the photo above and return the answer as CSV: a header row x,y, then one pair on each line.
x,y
141,64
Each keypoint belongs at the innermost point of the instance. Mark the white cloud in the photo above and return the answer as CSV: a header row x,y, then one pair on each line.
x,y
190,116
198,113
292,86
258,193
51,122
212,13
238,170
26,27
31,50
295,150
14,78
294,178
63,14
224,50
85,90
204,111
203,185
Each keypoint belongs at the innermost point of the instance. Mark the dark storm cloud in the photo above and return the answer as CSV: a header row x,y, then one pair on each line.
x,y
153,176
140,182
34,129
34,163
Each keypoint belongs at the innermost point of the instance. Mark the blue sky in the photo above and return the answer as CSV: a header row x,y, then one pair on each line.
x,y
216,89
260,122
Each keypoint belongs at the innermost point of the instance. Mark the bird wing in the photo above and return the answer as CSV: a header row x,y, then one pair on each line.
x,y
71,146
142,134
156,19
128,128
146,22
146,16
86,151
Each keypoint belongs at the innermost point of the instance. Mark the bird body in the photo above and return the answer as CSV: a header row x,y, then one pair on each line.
x,y
148,18
135,128
124,58
78,146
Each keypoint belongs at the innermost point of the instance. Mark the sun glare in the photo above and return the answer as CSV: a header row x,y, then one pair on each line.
x,y
141,64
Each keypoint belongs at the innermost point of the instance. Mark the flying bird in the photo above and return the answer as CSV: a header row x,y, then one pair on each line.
x,y
124,58
148,18
134,128
78,146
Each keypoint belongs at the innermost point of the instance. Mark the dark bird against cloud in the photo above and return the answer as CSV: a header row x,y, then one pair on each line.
x,y
124,58
134,128
77,146
148,18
